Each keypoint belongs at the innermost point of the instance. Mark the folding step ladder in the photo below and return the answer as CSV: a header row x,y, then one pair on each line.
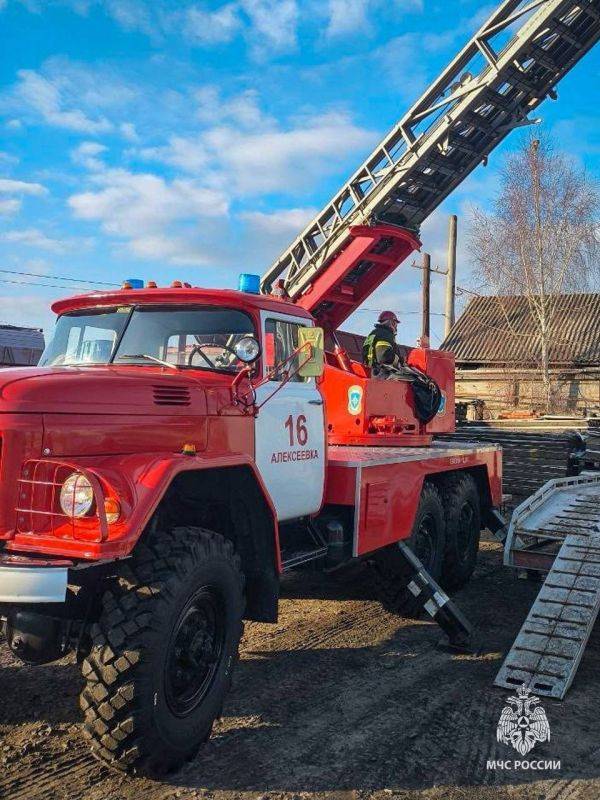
x,y
564,514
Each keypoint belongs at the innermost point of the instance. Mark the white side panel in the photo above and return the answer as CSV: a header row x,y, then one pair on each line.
x,y
290,443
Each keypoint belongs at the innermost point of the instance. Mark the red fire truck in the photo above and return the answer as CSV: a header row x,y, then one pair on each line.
x,y
178,449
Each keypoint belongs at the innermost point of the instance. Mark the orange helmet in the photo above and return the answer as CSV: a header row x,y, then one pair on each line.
x,y
388,316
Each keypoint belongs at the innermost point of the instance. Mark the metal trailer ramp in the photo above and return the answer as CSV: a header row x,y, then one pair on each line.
x,y
551,643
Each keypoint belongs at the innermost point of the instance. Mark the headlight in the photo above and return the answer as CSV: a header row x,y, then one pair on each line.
x,y
76,495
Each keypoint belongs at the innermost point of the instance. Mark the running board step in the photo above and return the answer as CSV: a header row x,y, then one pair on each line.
x,y
546,653
302,557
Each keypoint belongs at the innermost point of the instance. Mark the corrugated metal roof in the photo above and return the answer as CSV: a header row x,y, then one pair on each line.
x,y
21,337
502,331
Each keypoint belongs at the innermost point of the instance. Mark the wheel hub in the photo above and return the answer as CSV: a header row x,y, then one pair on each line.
x,y
194,652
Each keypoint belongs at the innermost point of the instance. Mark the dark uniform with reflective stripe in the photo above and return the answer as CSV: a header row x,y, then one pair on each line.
x,y
380,350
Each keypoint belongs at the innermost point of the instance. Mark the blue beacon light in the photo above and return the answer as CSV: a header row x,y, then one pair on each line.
x,y
135,283
249,283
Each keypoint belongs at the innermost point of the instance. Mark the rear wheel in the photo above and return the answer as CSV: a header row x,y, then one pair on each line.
x,y
462,508
391,572
163,651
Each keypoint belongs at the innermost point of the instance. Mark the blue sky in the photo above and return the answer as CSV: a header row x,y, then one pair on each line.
x,y
163,139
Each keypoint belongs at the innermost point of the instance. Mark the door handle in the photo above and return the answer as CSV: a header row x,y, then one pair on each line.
x,y
315,402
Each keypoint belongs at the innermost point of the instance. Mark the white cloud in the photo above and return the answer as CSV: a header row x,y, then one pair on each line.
x,y
267,233
86,154
47,98
211,27
173,249
348,17
243,109
32,237
8,186
133,15
65,94
273,25
270,26
155,217
8,158
129,132
288,220
285,160
242,151
29,310
190,155
9,206
355,17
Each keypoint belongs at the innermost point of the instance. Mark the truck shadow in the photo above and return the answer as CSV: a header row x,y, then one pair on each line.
x,y
343,697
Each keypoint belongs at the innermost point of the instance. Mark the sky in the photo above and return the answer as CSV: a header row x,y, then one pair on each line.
x,y
179,139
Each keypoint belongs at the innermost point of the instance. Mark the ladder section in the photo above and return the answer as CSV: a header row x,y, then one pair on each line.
x,y
549,647
503,73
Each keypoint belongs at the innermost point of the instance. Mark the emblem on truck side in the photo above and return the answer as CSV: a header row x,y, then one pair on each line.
x,y
524,725
355,394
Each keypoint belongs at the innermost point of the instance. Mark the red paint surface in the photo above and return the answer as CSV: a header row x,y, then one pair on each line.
x,y
334,295
387,413
388,495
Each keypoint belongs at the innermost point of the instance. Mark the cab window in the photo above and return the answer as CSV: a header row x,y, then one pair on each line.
x,y
281,341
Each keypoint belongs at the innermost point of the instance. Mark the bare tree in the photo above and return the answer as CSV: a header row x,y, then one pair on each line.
x,y
540,239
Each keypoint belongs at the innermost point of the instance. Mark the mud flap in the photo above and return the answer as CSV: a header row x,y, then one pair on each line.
x,y
439,606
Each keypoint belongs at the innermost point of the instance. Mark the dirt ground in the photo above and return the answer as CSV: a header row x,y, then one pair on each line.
x,y
340,700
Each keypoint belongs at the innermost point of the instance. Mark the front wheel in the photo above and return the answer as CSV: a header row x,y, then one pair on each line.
x,y
392,573
163,651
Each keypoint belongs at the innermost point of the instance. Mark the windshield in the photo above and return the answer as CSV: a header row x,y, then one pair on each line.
x,y
196,337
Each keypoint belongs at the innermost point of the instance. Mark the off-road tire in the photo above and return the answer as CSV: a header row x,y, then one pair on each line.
x,y
128,697
462,508
392,574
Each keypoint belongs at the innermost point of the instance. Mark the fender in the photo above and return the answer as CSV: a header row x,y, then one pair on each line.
x,y
139,482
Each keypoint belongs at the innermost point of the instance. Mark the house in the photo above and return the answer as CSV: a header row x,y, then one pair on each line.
x,y
496,343
20,347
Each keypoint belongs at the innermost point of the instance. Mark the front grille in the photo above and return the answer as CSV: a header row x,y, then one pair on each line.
x,y
171,396
39,511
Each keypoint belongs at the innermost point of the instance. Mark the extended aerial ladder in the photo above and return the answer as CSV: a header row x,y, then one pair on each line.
x,y
513,63
504,72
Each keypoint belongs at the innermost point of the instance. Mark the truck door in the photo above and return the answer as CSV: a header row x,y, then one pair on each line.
x,y
290,427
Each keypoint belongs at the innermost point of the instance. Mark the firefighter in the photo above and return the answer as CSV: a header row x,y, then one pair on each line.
x,y
380,350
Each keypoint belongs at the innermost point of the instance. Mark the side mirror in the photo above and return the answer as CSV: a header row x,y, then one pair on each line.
x,y
313,342
247,349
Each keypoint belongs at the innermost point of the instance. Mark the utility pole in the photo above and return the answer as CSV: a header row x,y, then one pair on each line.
x,y
451,275
426,299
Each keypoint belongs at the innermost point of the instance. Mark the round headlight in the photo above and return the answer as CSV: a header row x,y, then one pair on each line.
x,y
76,495
247,349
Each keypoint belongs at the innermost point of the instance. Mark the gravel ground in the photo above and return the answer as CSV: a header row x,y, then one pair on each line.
x,y
339,700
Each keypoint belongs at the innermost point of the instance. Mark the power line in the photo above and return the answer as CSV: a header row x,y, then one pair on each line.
x,y
49,285
55,277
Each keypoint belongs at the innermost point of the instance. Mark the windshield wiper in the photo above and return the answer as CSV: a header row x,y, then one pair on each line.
x,y
146,357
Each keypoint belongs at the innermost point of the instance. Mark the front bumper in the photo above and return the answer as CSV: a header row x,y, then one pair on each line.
x,y
31,583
